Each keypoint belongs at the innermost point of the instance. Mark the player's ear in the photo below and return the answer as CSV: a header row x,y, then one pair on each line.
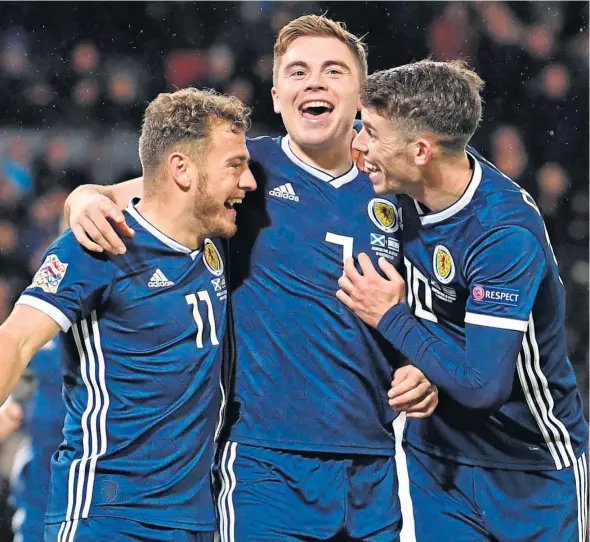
x,y
422,151
275,100
181,168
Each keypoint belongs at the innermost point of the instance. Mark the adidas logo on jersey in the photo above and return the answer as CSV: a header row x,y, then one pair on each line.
x,y
284,191
159,279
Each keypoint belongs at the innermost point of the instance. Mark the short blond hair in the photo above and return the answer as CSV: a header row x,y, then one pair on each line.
x,y
318,26
183,120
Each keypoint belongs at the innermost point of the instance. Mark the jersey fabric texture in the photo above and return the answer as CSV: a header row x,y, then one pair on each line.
x,y
485,266
310,376
141,362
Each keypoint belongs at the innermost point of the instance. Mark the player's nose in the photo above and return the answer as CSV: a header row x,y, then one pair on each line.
x,y
359,143
247,181
315,82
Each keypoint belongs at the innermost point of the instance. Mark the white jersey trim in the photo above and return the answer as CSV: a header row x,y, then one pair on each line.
x,y
336,182
82,470
495,321
225,504
50,310
158,234
462,202
541,404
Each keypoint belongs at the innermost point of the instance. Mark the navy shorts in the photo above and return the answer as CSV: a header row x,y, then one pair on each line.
x,y
121,530
268,495
471,504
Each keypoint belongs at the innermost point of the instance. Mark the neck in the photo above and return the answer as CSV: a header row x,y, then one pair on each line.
x,y
445,182
167,214
335,160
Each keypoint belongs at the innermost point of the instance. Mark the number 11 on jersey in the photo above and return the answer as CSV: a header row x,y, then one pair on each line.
x,y
191,299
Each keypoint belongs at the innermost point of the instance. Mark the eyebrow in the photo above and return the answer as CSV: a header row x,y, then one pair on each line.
x,y
238,158
325,64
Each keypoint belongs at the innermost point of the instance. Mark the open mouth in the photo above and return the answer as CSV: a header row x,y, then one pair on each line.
x,y
231,203
371,169
316,109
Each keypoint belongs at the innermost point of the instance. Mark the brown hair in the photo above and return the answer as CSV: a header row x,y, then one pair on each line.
x,y
439,97
183,120
318,26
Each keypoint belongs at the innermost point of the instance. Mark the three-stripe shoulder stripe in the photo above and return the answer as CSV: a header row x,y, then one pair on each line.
x,y
93,422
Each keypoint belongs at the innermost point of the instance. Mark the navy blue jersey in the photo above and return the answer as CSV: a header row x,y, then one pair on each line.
x,y
309,374
484,267
141,363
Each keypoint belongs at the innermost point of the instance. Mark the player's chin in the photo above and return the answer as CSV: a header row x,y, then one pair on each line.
x,y
227,229
380,187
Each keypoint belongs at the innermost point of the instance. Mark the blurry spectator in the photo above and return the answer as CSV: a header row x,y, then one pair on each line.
x,y
12,258
453,34
41,227
16,168
122,88
85,93
508,152
85,59
14,56
221,64
6,299
500,22
54,167
539,41
553,181
242,89
555,81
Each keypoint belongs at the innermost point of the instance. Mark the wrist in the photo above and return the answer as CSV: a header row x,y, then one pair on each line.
x,y
391,315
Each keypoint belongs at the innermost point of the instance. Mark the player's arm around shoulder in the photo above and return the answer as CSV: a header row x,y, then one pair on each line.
x,y
93,212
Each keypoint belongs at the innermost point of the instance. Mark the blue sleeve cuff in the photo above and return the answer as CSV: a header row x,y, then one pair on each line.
x,y
393,319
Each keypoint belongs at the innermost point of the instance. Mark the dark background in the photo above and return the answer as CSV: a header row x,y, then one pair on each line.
x,y
76,77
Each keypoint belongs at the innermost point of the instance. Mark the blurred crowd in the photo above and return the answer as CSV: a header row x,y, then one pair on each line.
x,y
76,77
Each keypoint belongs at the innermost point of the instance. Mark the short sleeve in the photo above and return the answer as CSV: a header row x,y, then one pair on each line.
x,y
504,271
70,283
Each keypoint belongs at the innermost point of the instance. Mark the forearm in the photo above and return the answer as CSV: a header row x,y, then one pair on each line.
x,y
477,377
14,358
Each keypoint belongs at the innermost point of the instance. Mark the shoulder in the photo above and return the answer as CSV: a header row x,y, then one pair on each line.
x,y
259,144
67,246
499,202
66,259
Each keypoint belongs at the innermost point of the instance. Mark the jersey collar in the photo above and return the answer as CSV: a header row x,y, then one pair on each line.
x,y
157,233
336,182
462,202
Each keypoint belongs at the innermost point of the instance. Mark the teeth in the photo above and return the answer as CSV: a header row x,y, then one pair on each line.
x,y
233,201
371,167
317,103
